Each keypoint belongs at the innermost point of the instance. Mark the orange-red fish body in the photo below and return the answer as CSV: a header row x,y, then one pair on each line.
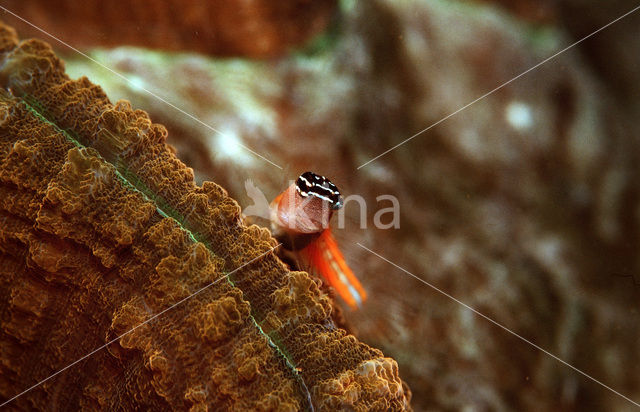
x,y
300,220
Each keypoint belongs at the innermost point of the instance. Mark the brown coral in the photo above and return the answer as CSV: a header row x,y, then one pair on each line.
x,y
533,223
221,27
102,227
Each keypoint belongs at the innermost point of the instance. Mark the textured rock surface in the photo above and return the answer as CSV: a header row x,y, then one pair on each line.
x,y
259,28
524,205
102,227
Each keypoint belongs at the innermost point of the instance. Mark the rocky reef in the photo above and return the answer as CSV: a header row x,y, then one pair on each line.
x,y
260,28
523,205
102,228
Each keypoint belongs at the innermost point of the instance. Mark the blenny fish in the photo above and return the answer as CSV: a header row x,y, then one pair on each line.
x,y
300,217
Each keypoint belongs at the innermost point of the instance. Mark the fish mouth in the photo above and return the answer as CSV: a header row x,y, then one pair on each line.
x,y
338,203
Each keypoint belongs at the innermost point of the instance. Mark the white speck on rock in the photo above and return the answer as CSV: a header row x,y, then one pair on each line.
x,y
229,145
519,115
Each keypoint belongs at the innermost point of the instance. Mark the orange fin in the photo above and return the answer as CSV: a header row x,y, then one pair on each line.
x,y
325,256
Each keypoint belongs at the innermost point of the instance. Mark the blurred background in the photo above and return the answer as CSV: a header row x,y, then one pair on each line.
x,y
525,205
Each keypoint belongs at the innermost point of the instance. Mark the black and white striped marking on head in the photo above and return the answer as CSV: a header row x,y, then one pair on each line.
x,y
319,186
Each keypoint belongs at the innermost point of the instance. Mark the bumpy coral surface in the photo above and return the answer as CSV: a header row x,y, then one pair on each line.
x,y
260,28
523,205
102,228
